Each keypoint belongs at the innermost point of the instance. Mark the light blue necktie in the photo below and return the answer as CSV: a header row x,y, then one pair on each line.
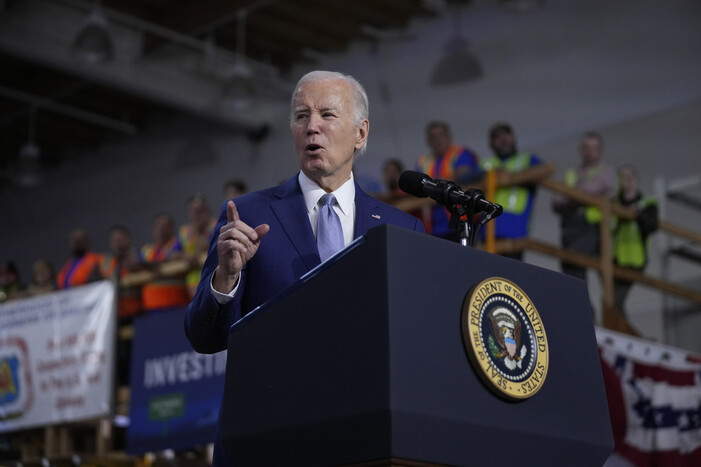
x,y
329,233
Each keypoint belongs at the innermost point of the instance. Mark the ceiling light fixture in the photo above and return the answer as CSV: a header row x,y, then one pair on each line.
x,y
458,64
522,6
94,44
28,164
239,91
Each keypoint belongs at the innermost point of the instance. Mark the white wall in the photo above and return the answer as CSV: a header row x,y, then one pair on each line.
x,y
629,69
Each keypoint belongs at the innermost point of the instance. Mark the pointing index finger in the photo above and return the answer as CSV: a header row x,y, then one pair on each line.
x,y
232,213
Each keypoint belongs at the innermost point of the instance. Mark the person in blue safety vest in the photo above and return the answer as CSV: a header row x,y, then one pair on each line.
x,y
631,236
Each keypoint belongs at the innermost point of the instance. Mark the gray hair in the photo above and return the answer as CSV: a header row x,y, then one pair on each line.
x,y
361,106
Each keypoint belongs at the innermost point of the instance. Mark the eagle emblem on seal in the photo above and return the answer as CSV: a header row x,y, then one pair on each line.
x,y
506,328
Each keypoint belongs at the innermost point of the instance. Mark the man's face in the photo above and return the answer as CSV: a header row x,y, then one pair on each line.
x,y
439,140
163,229
391,175
232,192
119,242
590,151
324,131
198,212
504,143
629,181
42,273
7,277
78,243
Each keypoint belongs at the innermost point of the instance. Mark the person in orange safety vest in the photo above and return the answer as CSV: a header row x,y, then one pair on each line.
x,y
84,265
167,291
447,161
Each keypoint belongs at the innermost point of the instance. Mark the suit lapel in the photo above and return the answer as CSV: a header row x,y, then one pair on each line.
x,y
291,212
366,212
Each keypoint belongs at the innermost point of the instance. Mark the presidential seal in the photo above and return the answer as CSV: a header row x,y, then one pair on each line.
x,y
505,338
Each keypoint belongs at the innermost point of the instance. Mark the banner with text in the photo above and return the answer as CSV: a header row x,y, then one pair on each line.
x,y
175,391
57,357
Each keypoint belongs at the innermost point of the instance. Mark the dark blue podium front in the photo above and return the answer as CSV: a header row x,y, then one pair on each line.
x,y
363,360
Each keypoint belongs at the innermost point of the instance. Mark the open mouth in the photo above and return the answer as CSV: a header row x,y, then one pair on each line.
x,y
312,148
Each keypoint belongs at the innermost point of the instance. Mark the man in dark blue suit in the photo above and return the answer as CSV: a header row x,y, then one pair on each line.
x,y
248,265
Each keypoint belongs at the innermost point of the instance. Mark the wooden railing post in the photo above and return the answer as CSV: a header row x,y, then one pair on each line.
x,y
50,441
103,436
606,257
490,189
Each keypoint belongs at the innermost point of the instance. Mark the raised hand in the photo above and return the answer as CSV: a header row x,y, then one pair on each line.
x,y
236,245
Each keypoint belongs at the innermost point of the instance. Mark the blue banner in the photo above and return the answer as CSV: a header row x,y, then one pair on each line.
x,y
175,391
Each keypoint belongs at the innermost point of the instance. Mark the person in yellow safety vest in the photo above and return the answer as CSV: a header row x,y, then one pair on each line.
x,y
517,201
194,236
631,236
579,225
447,161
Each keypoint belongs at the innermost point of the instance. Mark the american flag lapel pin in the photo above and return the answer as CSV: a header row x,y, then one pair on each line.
x,y
376,216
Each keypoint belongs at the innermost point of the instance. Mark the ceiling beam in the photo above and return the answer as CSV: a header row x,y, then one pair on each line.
x,y
402,8
295,35
350,10
323,24
73,112
183,17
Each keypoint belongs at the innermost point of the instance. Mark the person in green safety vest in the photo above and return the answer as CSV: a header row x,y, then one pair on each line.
x,y
517,201
194,237
631,236
579,225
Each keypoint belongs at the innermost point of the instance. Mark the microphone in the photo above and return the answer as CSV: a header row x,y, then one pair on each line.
x,y
446,193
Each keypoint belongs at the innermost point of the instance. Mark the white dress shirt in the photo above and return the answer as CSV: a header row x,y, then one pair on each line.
x,y
344,207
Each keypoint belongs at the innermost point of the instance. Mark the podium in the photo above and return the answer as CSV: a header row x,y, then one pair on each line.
x,y
363,362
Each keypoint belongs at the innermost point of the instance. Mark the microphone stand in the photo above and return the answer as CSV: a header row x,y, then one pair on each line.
x,y
469,227
461,205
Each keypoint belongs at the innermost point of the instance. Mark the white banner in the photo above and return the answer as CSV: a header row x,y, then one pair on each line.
x,y
57,357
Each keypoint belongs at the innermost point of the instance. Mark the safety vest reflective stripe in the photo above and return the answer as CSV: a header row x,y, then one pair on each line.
x,y
188,237
153,253
445,171
513,199
79,271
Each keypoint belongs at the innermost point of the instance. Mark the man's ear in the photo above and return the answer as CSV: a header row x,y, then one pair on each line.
x,y
362,134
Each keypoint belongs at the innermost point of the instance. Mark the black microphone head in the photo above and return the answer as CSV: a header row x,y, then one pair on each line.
x,y
412,182
475,194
